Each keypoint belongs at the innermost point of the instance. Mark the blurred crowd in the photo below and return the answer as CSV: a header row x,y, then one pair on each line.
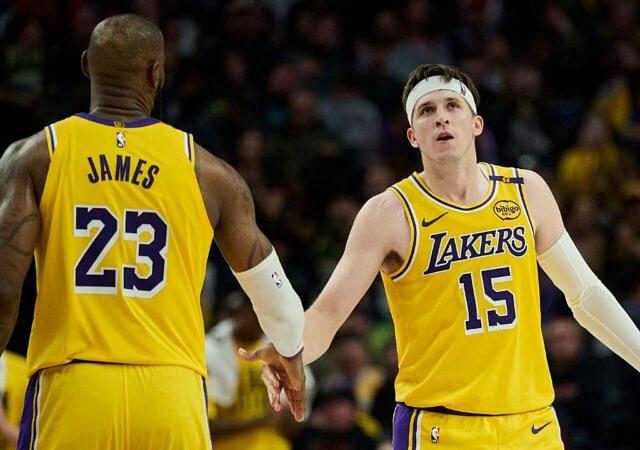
x,y
303,98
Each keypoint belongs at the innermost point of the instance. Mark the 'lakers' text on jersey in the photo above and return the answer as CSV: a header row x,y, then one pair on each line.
x,y
122,254
466,304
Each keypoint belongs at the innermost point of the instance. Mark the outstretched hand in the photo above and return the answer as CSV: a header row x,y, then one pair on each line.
x,y
278,373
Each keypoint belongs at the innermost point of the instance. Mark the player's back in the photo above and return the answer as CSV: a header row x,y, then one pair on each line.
x,y
123,248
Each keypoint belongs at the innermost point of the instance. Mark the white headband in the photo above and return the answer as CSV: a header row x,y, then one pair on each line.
x,y
436,83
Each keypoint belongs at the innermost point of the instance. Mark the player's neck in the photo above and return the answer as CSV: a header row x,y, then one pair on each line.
x,y
461,183
122,104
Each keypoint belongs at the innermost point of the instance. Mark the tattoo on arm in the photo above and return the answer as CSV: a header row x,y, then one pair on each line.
x,y
258,251
7,236
245,197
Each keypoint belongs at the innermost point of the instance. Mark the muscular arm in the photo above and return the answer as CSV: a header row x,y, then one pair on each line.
x,y
376,233
231,212
19,225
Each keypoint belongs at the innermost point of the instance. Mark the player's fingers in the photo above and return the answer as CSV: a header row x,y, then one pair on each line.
x,y
297,403
249,356
270,377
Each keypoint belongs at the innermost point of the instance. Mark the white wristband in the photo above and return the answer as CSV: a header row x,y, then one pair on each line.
x,y
276,304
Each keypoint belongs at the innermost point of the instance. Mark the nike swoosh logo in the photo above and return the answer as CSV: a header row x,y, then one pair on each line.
x,y
535,430
426,223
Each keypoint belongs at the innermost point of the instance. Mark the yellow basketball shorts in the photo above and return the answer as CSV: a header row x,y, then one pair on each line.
x,y
420,429
95,406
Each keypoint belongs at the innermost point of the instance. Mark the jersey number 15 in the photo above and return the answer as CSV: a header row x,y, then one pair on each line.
x,y
503,299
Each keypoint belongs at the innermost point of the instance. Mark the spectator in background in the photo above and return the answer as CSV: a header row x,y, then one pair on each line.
x,y
333,424
8,429
595,165
626,247
582,223
240,416
577,383
384,400
353,370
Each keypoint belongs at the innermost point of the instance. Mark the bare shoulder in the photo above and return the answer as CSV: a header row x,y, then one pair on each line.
x,y
391,231
538,191
545,211
533,180
385,205
212,169
28,149
28,157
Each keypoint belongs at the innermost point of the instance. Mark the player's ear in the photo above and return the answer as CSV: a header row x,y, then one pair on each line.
x,y
413,140
478,125
84,64
156,75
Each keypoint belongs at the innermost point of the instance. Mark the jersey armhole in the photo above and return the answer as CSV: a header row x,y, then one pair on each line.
x,y
189,148
413,241
51,138
523,198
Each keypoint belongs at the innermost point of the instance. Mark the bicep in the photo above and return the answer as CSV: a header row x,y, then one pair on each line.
x,y
232,213
19,217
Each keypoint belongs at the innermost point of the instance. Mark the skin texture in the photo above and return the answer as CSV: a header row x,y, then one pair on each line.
x,y
450,169
125,89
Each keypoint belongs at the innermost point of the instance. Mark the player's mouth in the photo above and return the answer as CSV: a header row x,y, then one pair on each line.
x,y
444,136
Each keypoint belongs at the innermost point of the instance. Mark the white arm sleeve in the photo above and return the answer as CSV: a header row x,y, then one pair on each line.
x,y
592,304
276,304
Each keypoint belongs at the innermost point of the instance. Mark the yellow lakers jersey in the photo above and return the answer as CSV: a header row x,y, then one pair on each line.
x,y
466,303
123,248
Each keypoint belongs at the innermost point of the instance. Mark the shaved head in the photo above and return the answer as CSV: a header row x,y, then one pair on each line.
x,y
127,44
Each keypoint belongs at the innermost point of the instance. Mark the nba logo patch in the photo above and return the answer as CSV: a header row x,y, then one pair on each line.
x,y
120,140
435,435
277,280
463,90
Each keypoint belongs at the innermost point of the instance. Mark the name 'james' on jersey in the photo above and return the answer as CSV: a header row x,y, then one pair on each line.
x,y
123,248
466,303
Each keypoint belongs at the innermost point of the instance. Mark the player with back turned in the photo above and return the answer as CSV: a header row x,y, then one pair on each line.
x,y
457,246
120,209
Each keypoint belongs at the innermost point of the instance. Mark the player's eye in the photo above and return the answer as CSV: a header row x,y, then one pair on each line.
x,y
427,109
453,105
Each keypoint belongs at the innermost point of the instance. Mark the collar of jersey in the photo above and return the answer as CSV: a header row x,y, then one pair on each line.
x,y
422,185
114,123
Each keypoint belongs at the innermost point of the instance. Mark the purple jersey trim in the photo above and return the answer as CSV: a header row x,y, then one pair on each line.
x,y
112,123
401,421
493,177
29,414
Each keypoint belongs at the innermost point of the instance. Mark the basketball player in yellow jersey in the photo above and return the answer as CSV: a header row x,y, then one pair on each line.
x,y
120,209
457,245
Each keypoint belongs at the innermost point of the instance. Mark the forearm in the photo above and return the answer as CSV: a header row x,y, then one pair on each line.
x,y
601,314
318,333
592,304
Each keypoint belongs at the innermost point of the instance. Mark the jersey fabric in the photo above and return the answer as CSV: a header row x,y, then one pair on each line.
x,y
123,248
466,303
98,406
415,429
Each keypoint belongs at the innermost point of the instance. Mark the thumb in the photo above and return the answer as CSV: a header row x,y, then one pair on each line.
x,y
249,356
